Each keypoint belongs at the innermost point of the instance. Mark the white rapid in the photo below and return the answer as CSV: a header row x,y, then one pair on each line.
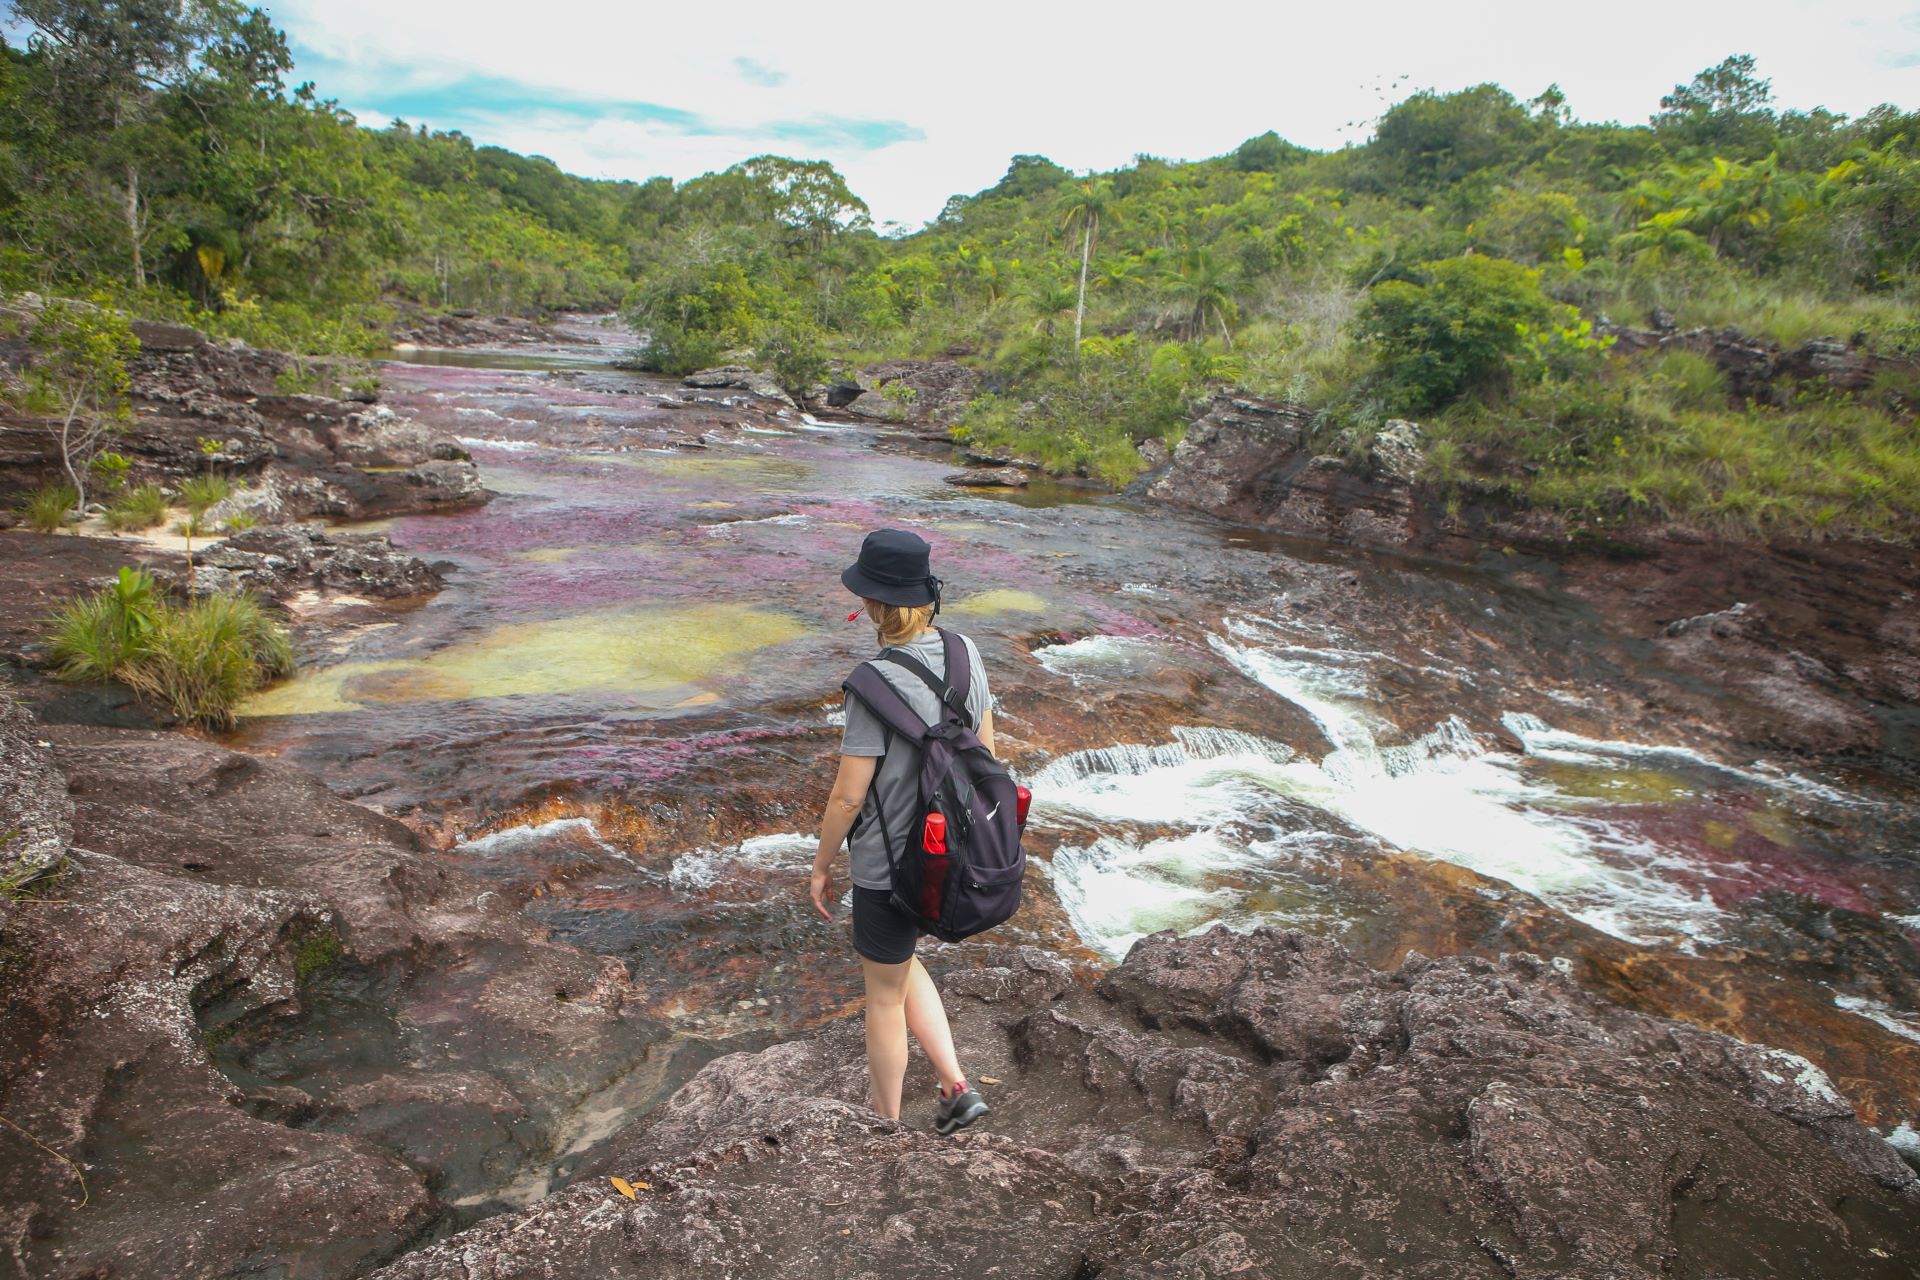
x,y
1227,826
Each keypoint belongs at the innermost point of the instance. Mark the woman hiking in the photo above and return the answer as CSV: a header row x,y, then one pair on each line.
x,y
878,783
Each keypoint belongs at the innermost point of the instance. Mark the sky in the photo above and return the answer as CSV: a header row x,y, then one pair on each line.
x,y
915,103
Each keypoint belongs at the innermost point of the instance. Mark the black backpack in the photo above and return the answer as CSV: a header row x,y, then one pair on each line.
x,y
975,885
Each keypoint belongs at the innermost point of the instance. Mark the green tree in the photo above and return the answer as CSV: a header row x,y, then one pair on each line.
x,y
1452,331
78,379
1725,108
1203,289
1084,207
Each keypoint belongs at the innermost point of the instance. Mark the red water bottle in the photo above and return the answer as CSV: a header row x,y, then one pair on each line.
x,y
1021,799
933,869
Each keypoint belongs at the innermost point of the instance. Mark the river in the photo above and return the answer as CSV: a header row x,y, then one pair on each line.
x,y
624,708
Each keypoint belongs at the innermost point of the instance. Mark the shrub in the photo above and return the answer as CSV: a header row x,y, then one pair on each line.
x,y
198,493
795,355
199,660
46,507
140,508
97,637
1453,332
239,521
204,658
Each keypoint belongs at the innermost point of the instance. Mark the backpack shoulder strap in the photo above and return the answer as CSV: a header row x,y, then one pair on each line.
x,y
877,692
954,700
959,664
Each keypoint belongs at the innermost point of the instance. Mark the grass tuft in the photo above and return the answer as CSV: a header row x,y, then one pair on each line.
x,y
199,660
46,508
136,509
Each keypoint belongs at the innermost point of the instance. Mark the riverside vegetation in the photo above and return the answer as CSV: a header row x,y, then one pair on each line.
x,y
1462,266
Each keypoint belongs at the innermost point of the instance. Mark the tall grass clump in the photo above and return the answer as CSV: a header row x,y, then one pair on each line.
x,y
46,508
199,660
136,509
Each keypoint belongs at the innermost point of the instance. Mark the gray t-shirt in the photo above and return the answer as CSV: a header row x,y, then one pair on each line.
x,y
896,783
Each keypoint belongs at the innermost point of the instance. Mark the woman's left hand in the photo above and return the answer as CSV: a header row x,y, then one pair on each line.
x,y
820,887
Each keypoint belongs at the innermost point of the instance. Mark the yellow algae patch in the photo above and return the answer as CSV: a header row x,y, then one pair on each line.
x,y
714,502
1000,600
1774,824
632,651
546,555
1719,835
1622,786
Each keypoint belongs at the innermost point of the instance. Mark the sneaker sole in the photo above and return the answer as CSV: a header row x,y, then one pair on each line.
x,y
957,1122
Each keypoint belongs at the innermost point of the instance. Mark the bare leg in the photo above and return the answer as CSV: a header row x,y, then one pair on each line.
x,y
887,1032
927,1017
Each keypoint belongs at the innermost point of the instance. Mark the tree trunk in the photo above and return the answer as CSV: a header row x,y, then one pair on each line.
x,y
1080,311
133,226
66,462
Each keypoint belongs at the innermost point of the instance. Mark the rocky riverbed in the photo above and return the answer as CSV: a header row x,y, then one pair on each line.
x,y
451,918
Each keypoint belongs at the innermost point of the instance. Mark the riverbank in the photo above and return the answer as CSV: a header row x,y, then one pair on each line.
x,y
605,738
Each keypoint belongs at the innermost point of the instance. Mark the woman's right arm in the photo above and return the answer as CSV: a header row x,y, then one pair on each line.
x,y
843,806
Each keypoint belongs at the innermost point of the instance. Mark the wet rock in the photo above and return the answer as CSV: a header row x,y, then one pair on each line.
x,y
989,478
1809,706
1244,1104
738,376
228,919
278,560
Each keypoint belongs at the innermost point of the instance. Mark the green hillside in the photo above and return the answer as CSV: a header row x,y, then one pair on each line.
x,y
1461,267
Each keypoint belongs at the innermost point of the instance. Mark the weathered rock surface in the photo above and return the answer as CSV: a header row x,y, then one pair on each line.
x,y
740,378
199,404
921,392
1760,369
1249,460
468,329
36,813
989,478
1256,1104
269,1030
277,560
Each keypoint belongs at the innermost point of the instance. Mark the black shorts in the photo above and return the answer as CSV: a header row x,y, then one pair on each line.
x,y
882,932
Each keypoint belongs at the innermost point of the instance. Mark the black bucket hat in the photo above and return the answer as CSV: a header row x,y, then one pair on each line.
x,y
894,568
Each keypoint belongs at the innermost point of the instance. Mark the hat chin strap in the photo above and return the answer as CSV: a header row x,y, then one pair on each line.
x,y
934,584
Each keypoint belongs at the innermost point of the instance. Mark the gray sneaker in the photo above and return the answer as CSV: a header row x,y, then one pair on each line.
x,y
956,1113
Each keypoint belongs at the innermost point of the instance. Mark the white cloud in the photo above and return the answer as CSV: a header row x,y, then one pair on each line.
x,y
1088,87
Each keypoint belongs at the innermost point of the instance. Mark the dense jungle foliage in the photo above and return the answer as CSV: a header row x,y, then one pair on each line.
x,y
1462,267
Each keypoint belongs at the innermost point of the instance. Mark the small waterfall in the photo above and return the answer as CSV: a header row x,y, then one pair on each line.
x,y
1251,809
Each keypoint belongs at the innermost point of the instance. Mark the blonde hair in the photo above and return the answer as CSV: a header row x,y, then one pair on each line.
x,y
899,623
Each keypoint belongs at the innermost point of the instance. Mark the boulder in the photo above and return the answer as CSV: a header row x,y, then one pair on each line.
x,y
989,478
742,378
1242,1104
278,560
923,392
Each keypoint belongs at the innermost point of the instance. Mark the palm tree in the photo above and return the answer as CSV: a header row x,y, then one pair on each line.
x,y
1204,290
1050,298
1085,206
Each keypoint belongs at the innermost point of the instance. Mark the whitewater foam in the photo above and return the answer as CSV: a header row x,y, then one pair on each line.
x,y
705,868
511,842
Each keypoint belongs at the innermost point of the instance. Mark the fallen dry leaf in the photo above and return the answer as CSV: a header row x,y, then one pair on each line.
x,y
988,1080
624,1187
